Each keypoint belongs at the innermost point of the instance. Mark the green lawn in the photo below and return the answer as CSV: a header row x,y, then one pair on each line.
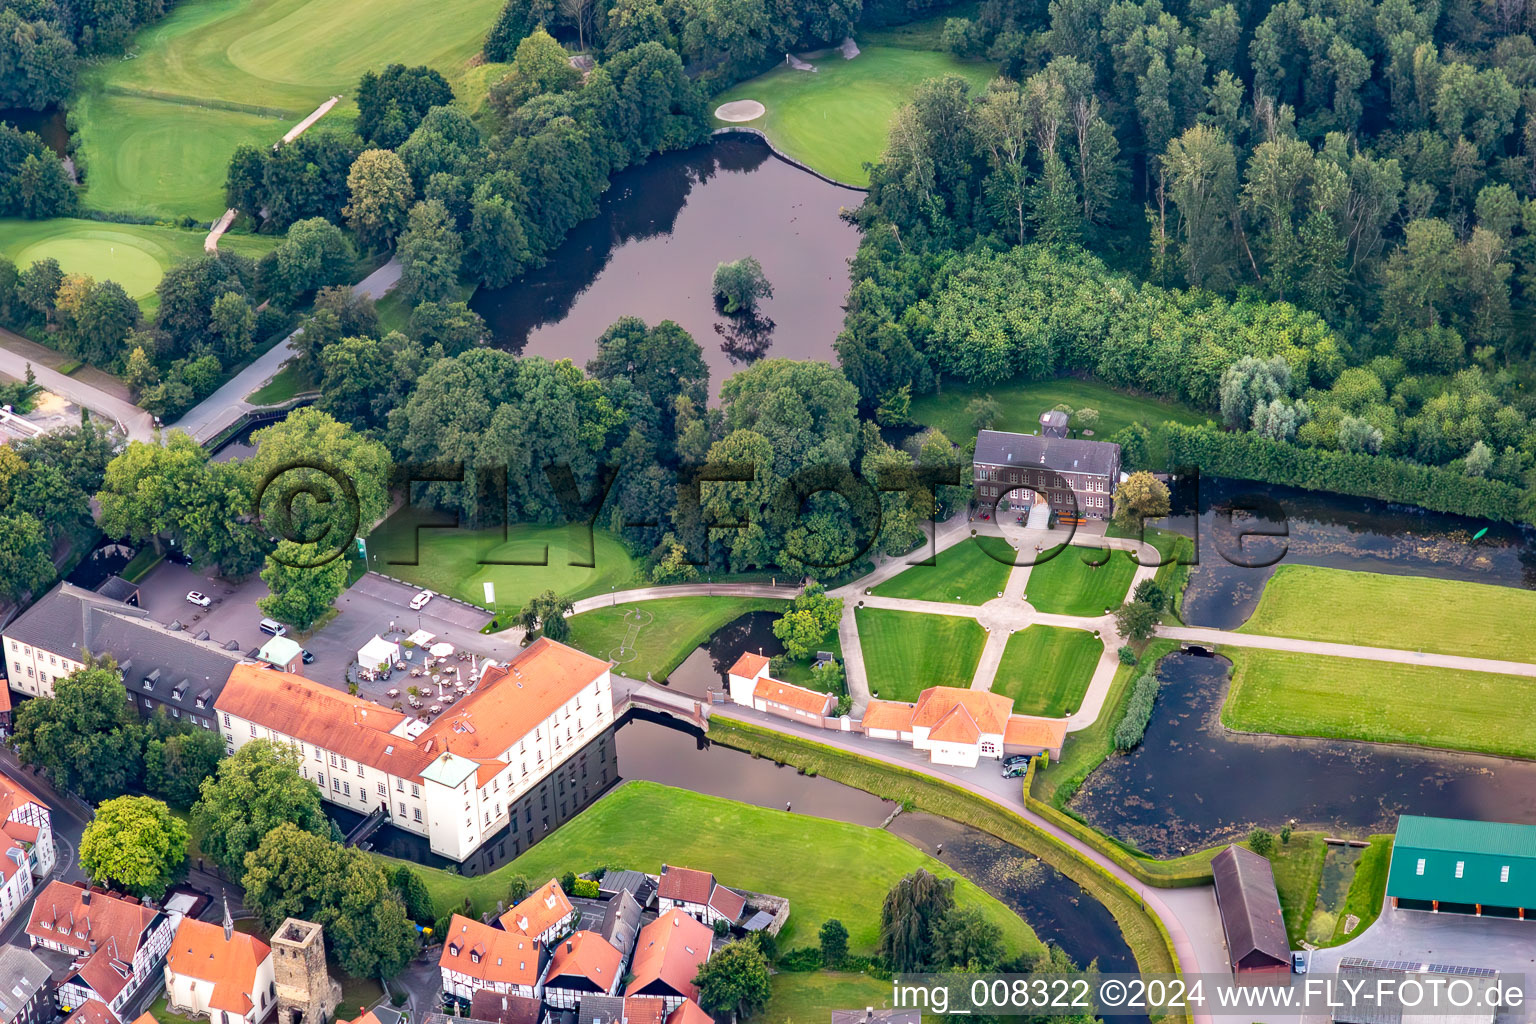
x,y
449,560
808,997
804,673
136,256
907,652
1068,585
1021,403
288,381
1345,698
157,131
837,119
660,633
971,572
1298,867
825,868
1046,669
1444,616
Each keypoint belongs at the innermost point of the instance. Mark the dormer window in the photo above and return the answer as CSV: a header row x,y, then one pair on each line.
x,y
150,681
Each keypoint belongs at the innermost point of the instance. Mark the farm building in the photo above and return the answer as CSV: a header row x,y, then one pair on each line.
x,y
1450,866
1251,920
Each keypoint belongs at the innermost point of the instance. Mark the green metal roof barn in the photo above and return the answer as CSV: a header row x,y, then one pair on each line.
x,y
1478,867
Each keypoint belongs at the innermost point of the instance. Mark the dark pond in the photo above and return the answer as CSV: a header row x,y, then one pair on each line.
x,y
107,558
238,446
652,250
1192,783
47,123
1335,531
706,667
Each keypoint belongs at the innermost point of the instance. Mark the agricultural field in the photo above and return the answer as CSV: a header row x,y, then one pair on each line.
x,y
136,256
837,118
1297,694
971,572
156,129
907,652
1047,669
811,864
1442,616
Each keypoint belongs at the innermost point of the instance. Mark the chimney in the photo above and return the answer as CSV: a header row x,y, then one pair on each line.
x,y
85,898
569,945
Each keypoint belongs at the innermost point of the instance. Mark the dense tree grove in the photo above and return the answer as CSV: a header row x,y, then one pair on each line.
x,y
45,488
33,181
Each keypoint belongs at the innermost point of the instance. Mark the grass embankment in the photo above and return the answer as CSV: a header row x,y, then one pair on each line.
x,y
460,561
1367,891
1298,867
907,652
136,256
283,387
1021,402
971,572
653,637
837,119
1068,585
1443,616
1046,669
156,132
1148,939
825,868
1296,694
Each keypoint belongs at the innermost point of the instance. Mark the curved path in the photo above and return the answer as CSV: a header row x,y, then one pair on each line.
x,y
1213,637
783,592
17,353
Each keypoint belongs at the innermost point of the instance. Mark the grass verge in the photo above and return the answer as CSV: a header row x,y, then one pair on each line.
x,y
907,652
659,634
287,383
1367,890
1069,585
1296,694
972,572
825,868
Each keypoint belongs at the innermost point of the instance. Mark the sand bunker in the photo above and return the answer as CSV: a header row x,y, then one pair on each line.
x,y
740,110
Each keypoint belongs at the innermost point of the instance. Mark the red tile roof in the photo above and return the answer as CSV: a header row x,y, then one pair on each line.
x,y
94,1011
990,711
748,665
689,1012
503,957
644,1010
1034,731
14,796
893,715
957,726
200,951
789,695
585,955
671,950
543,908
74,917
146,1018
727,902
685,885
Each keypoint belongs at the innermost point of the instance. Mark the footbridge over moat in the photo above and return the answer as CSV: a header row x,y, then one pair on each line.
x,y
632,693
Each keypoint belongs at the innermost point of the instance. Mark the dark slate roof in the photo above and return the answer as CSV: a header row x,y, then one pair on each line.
x,y
1063,454
874,1016
24,974
1250,909
637,883
167,665
116,588
497,1008
601,1009
621,925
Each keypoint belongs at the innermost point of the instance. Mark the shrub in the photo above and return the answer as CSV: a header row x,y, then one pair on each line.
x,y
585,887
1127,655
801,958
1138,711
1262,842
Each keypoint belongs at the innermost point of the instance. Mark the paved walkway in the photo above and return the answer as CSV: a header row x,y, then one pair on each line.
x,y
784,592
226,406
17,353
314,116
211,243
1212,637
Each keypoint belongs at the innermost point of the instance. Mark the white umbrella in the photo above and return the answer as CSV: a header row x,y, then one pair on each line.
x,y
441,650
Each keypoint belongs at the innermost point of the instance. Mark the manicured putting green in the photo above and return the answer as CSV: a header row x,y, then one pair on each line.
x,y
156,132
838,117
133,255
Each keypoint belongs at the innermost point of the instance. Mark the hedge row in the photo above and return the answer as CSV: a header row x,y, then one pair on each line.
x,y
1138,710
1246,455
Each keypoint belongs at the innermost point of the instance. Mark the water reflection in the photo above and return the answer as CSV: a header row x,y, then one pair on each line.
x,y
705,669
652,250
1192,783
1339,532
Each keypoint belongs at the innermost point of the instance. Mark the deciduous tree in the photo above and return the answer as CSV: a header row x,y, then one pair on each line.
x,y
135,844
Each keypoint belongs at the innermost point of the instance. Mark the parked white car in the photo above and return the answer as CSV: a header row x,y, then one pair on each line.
x,y
201,600
420,600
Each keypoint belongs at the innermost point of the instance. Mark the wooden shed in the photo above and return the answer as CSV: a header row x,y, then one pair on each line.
x,y
1250,913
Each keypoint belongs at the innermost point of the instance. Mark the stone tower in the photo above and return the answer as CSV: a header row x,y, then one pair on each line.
x,y
305,992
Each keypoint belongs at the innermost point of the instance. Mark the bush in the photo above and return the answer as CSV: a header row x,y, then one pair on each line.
x,y
1138,711
586,887
1262,842
801,958
1127,655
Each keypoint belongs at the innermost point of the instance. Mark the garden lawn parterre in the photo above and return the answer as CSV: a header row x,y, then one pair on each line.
x,y
136,256
156,131
1020,403
907,652
825,868
665,631
1415,613
1296,694
1046,669
450,560
1068,585
837,118
971,572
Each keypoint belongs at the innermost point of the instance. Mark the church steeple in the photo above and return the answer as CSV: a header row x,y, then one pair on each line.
x,y
229,922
